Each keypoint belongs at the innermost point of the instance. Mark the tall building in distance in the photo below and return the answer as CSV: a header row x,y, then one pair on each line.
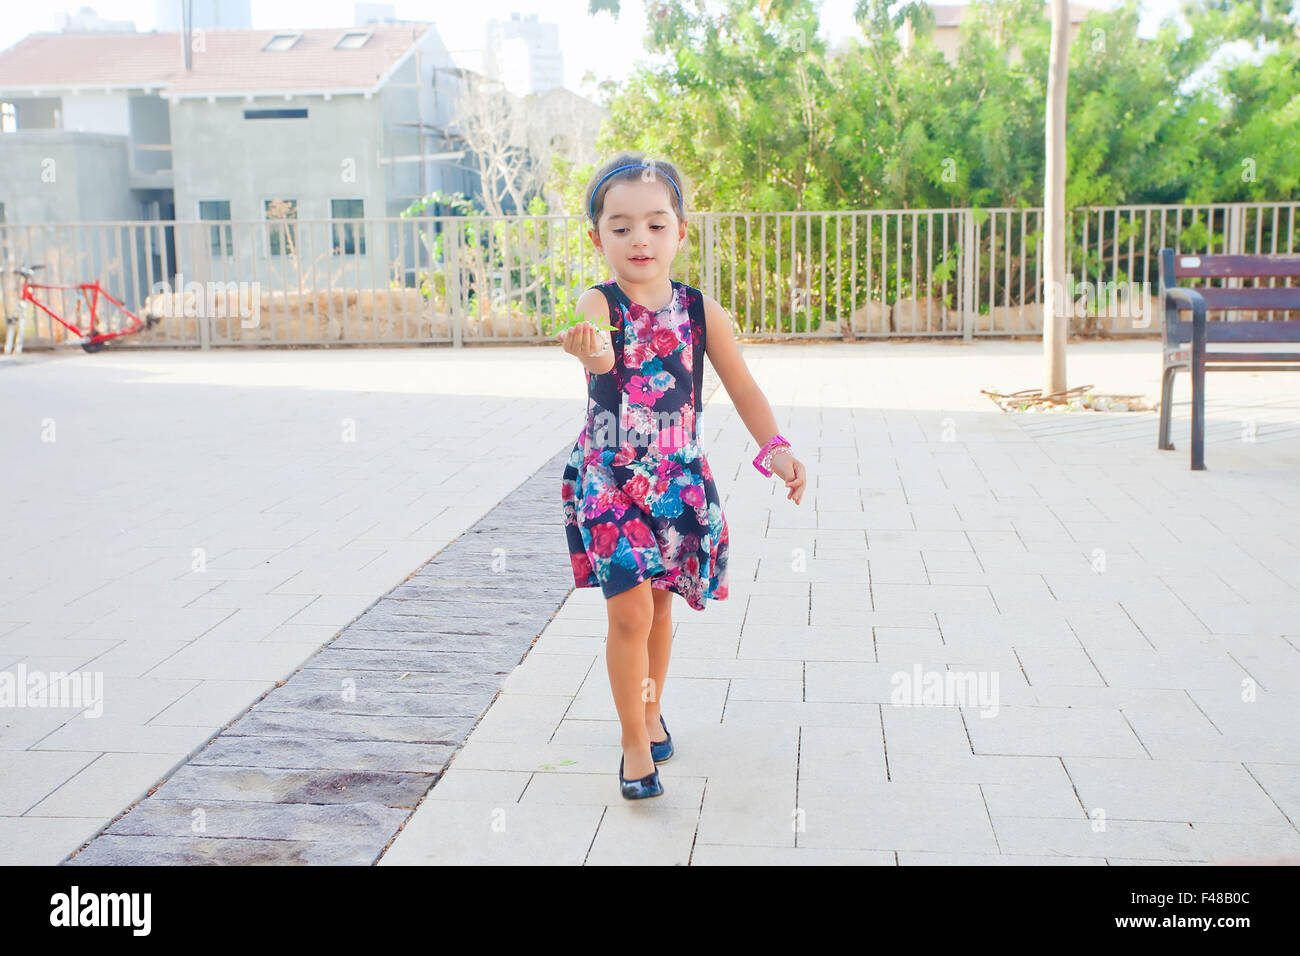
x,y
524,54
206,15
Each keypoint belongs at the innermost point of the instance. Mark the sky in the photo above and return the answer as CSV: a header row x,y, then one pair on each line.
x,y
600,44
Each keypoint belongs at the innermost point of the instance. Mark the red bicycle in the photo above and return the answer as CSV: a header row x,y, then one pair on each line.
x,y
88,307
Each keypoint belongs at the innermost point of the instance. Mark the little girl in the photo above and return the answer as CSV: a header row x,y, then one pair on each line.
x,y
642,515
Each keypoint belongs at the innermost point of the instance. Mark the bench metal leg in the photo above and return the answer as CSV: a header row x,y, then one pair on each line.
x,y
1198,402
1166,408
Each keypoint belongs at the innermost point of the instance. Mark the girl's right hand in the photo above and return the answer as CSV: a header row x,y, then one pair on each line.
x,y
580,340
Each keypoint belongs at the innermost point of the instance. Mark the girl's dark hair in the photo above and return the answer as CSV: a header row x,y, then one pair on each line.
x,y
661,168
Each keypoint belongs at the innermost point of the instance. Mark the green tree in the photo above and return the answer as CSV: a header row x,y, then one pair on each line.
x,y
762,116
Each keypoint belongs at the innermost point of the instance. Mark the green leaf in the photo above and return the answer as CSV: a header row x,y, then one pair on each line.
x,y
569,316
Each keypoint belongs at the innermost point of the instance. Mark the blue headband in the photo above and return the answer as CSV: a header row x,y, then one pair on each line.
x,y
592,208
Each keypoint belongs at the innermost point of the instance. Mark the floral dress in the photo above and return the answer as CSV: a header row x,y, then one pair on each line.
x,y
639,498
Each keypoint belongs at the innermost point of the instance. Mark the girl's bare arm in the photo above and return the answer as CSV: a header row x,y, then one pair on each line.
x,y
751,404
583,338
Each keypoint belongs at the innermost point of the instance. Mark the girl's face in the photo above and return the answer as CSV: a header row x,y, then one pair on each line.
x,y
639,234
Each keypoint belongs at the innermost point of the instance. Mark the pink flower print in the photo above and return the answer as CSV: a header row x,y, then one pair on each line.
x,y
638,535
604,539
693,495
581,566
671,439
641,390
642,321
624,454
636,354
642,318
596,504
667,469
639,422
664,342
637,487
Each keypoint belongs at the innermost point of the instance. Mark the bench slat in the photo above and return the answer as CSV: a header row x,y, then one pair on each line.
x,y
1253,357
1237,331
1187,265
1260,299
1249,368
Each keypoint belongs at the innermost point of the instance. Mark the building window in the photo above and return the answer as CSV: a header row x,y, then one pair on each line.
x,y
217,210
349,238
352,41
8,118
276,114
279,213
281,41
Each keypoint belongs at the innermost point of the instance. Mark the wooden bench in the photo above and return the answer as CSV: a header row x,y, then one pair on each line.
x,y
1185,341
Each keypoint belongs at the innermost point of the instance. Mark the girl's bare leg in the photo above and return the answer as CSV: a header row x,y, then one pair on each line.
x,y
660,645
627,659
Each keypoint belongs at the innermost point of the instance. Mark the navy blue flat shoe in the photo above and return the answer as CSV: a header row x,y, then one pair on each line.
x,y
663,749
643,789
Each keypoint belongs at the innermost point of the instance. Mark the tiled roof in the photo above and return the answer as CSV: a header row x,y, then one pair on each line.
x,y
230,61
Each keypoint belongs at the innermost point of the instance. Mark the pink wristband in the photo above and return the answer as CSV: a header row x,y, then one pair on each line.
x,y
761,457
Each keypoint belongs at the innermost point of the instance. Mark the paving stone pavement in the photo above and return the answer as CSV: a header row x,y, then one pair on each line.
x,y
1112,642
1127,627
189,528
325,768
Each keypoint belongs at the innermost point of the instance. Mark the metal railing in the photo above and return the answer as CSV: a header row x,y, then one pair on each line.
x,y
840,274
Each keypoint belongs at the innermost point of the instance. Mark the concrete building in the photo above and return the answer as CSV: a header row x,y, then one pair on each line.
x,y
251,126
116,126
